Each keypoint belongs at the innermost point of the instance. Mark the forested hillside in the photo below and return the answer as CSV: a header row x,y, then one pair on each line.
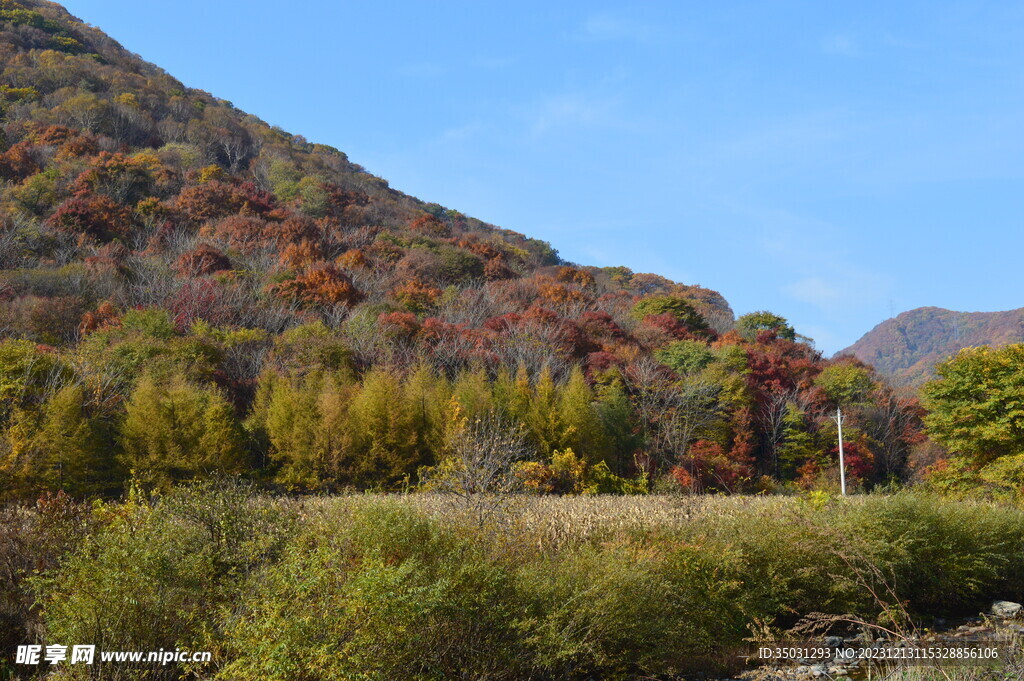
x,y
907,348
187,291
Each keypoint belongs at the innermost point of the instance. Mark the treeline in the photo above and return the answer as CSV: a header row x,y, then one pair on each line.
x,y
140,399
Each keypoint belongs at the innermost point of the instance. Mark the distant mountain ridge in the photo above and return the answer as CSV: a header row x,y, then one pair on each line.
x,y
907,347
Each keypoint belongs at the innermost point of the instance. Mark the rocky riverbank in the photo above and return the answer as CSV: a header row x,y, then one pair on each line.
x,y
940,652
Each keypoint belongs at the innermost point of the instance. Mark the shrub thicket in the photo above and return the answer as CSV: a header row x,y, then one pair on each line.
x,y
416,587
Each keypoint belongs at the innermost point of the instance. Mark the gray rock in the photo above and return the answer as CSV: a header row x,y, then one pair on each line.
x,y
833,641
1006,609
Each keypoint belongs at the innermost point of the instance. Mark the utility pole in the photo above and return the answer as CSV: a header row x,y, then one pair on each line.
x,y
842,466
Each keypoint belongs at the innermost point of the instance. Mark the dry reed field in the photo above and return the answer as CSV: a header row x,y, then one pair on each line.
x,y
555,520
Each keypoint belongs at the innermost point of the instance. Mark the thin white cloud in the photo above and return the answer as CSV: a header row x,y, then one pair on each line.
x,y
608,26
421,70
459,133
891,40
571,110
784,143
814,290
825,277
495,63
822,337
841,45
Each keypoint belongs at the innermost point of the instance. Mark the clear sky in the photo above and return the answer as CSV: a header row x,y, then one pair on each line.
x,y
831,162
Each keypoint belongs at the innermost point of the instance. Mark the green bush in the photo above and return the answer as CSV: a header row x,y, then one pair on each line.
x,y
457,266
149,323
162,575
383,594
942,555
790,564
612,611
916,552
749,325
686,356
26,373
679,308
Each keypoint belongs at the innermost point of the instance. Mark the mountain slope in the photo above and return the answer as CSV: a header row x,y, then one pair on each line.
x,y
71,93
907,347
186,291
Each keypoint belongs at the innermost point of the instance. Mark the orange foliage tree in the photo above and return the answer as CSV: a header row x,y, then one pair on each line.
x,y
323,285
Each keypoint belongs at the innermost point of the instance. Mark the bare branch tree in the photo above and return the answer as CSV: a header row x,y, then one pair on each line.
x,y
890,417
673,413
480,466
772,416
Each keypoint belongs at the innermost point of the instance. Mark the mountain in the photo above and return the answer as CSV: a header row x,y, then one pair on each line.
x,y
907,347
119,158
186,291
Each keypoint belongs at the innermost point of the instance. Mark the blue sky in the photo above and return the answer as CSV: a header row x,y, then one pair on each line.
x,y
830,162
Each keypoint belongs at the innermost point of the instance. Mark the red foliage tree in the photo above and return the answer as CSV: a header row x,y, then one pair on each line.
x,y
78,146
17,163
202,260
743,446
207,201
600,325
777,364
198,299
496,270
502,323
859,461
353,259
49,135
670,325
574,275
473,244
707,467
428,224
52,320
339,200
216,199
111,257
97,217
399,325
104,317
254,200
245,233
557,292
125,179
299,255
600,361
293,229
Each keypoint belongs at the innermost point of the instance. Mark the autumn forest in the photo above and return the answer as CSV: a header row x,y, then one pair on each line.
x,y
215,330
188,292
